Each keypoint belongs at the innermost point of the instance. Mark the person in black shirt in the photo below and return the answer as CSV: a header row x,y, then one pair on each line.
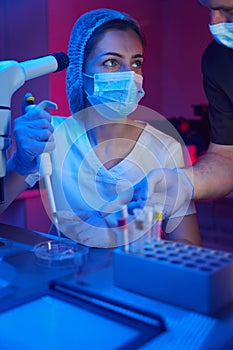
x,y
211,176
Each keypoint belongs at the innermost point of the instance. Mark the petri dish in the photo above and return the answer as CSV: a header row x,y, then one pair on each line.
x,y
62,254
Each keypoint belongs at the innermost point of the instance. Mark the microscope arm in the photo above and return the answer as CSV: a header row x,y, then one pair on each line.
x,y
12,76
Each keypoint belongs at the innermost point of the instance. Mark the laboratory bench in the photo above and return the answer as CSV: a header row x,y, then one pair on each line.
x,y
142,322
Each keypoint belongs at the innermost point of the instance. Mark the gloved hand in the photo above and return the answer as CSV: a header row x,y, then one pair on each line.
x,y
140,195
170,189
33,135
133,197
87,228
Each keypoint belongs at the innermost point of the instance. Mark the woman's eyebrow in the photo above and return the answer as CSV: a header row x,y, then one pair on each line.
x,y
111,54
139,55
119,55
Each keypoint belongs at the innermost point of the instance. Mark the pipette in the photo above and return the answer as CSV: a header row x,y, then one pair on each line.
x,y
45,161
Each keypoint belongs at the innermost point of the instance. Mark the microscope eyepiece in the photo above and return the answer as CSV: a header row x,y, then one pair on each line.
x,y
62,60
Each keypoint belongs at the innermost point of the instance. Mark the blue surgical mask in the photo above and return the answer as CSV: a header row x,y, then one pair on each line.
x,y
117,94
223,33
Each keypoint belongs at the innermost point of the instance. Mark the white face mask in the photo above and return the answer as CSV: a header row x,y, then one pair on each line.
x,y
117,94
223,33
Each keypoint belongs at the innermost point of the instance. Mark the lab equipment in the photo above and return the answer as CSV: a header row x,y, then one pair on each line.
x,y
148,213
12,76
125,327
192,277
62,254
156,228
122,229
57,253
138,231
146,227
45,160
122,226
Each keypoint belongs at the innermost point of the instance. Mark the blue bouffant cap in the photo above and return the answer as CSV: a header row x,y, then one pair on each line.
x,y
82,31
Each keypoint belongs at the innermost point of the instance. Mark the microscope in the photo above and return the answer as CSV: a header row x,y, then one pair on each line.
x,y
12,76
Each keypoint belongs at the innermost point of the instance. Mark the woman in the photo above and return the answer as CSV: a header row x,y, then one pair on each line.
x,y
100,151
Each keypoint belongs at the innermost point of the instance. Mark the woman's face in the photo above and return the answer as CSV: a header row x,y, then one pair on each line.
x,y
115,51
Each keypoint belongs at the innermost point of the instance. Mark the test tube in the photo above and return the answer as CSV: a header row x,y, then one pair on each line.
x,y
122,224
157,224
139,219
148,219
139,231
122,231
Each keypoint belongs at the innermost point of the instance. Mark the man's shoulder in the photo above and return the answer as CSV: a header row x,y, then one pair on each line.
x,y
217,58
215,52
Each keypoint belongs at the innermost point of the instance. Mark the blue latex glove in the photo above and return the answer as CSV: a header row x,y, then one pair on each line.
x,y
139,196
171,189
33,135
168,189
135,197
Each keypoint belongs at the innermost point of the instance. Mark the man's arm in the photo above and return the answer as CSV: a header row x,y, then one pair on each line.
x,y
212,174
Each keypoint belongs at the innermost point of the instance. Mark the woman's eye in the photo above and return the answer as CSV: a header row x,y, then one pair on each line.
x,y
137,64
110,63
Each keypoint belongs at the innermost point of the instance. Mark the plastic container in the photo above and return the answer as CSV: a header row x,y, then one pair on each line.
x,y
61,254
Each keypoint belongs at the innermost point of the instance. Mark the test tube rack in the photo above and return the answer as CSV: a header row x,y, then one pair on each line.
x,y
196,278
